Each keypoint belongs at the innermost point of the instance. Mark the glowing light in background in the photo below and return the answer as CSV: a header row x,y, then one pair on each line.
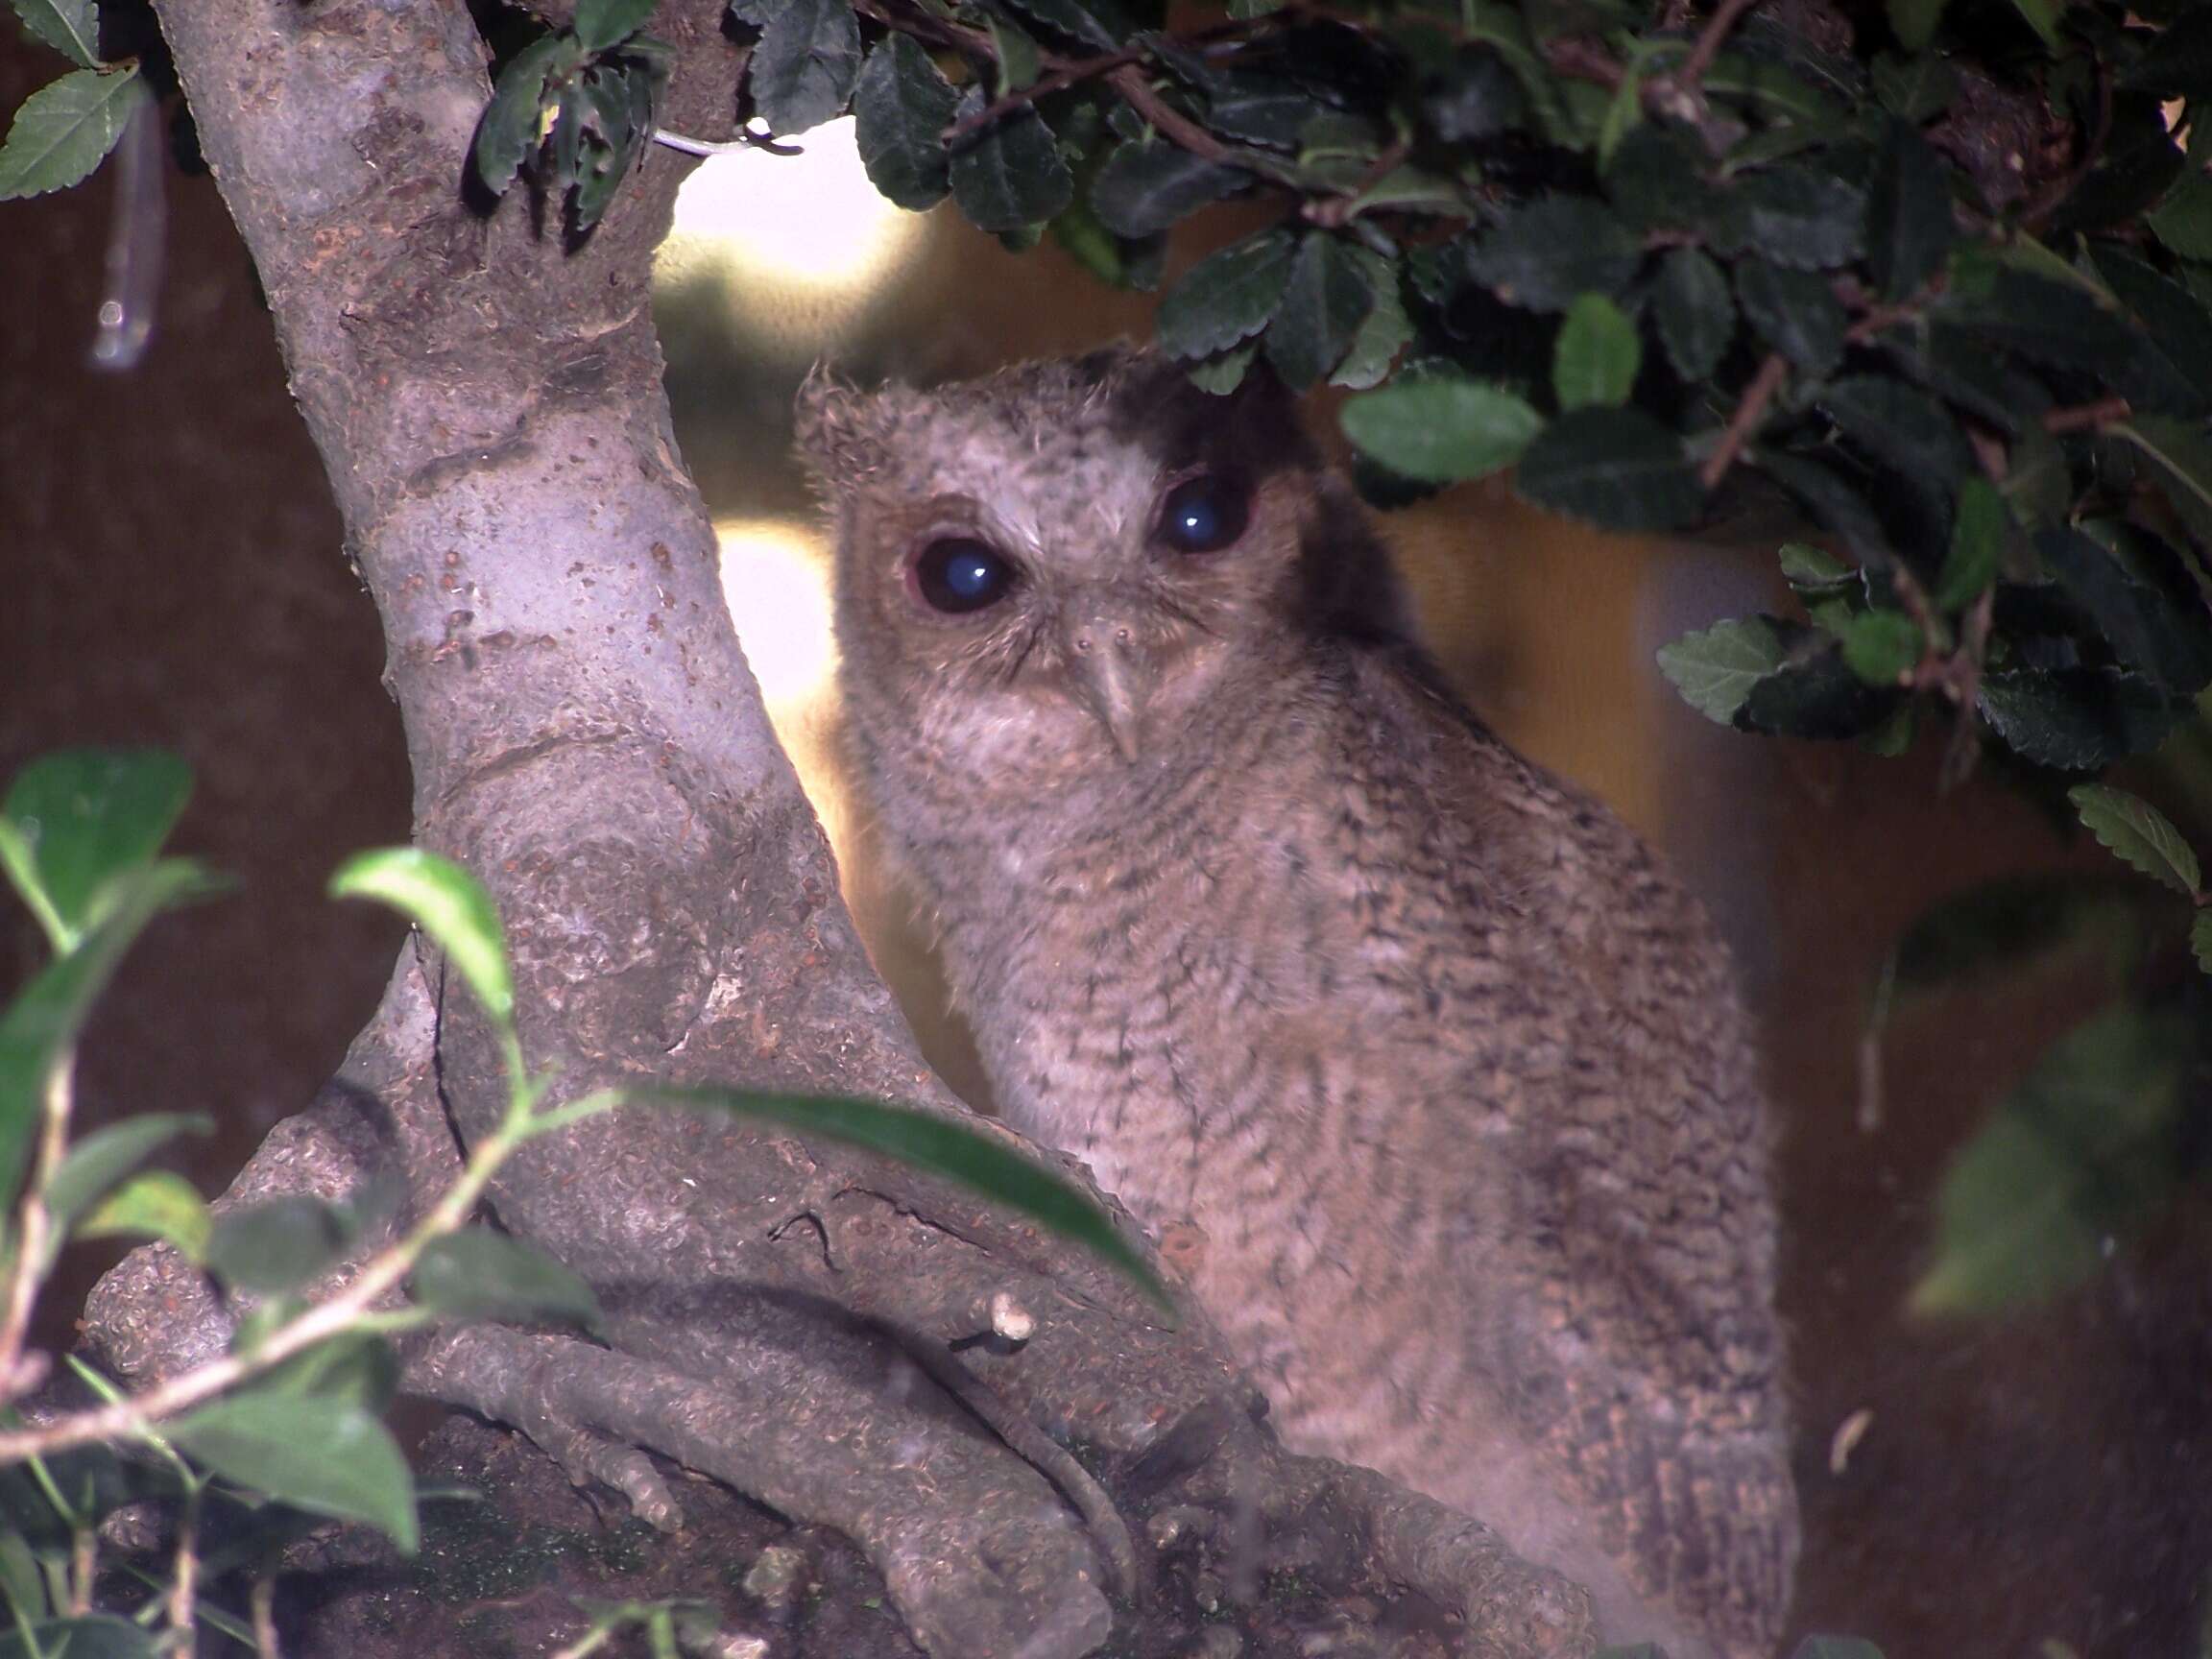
x,y
776,581
784,232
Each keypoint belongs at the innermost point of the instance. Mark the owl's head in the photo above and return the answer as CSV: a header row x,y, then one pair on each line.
x,y
1073,567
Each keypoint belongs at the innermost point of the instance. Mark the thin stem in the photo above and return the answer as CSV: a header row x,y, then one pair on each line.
x,y
1137,92
135,1415
261,1607
1748,412
1045,86
2105,412
183,1589
34,1232
1708,46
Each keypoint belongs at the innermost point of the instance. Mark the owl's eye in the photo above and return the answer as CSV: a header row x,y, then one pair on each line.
x,y
1205,514
959,575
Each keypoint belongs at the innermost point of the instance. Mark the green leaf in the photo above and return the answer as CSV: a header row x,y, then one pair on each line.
x,y
1596,356
1098,24
1475,97
156,1204
1618,469
1222,373
2082,1149
101,1160
2182,455
2200,940
1881,646
352,1367
447,903
22,1585
90,1636
277,1246
1807,569
1916,88
512,127
41,1027
2042,16
1795,313
82,817
1011,175
601,24
1909,228
1903,429
1541,257
1818,696
1977,544
2177,62
2150,632
2177,330
1441,428
1020,60
71,27
1715,670
806,64
325,1455
1325,299
65,129
1227,297
1385,333
1794,216
1659,178
900,108
483,1275
2074,720
1696,315
2138,834
1147,187
937,1144
1914,22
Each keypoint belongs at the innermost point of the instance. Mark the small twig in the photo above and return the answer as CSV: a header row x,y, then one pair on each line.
x,y
261,1607
1708,46
35,1226
185,1587
746,139
1057,80
1748,411
1137,92
2105,412
1337,209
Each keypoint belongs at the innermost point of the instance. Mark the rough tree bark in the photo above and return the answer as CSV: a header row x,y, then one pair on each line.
x,y
586,736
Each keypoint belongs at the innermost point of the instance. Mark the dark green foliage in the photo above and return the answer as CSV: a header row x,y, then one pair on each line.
x,y
1324,299
807,63
1010,175
575,109
900,107
1147,187
1616,468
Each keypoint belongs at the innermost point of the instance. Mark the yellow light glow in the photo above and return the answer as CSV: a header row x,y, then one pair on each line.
x,y
776,581
810,222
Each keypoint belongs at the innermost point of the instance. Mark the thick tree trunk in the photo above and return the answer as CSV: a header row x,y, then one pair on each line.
x,y
586,736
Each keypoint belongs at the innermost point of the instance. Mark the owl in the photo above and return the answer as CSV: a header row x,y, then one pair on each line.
x,y
1431,1069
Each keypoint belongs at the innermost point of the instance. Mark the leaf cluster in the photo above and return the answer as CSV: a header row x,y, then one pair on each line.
x,y
1651,265
288,1427
575,109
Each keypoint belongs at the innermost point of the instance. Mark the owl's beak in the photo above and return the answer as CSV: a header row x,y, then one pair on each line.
x,y
1104,679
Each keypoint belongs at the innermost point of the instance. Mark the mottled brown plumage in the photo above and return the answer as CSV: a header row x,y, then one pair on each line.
x,y
1439,1072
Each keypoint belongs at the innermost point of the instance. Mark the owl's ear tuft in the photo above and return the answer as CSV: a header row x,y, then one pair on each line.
x,y
837,429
